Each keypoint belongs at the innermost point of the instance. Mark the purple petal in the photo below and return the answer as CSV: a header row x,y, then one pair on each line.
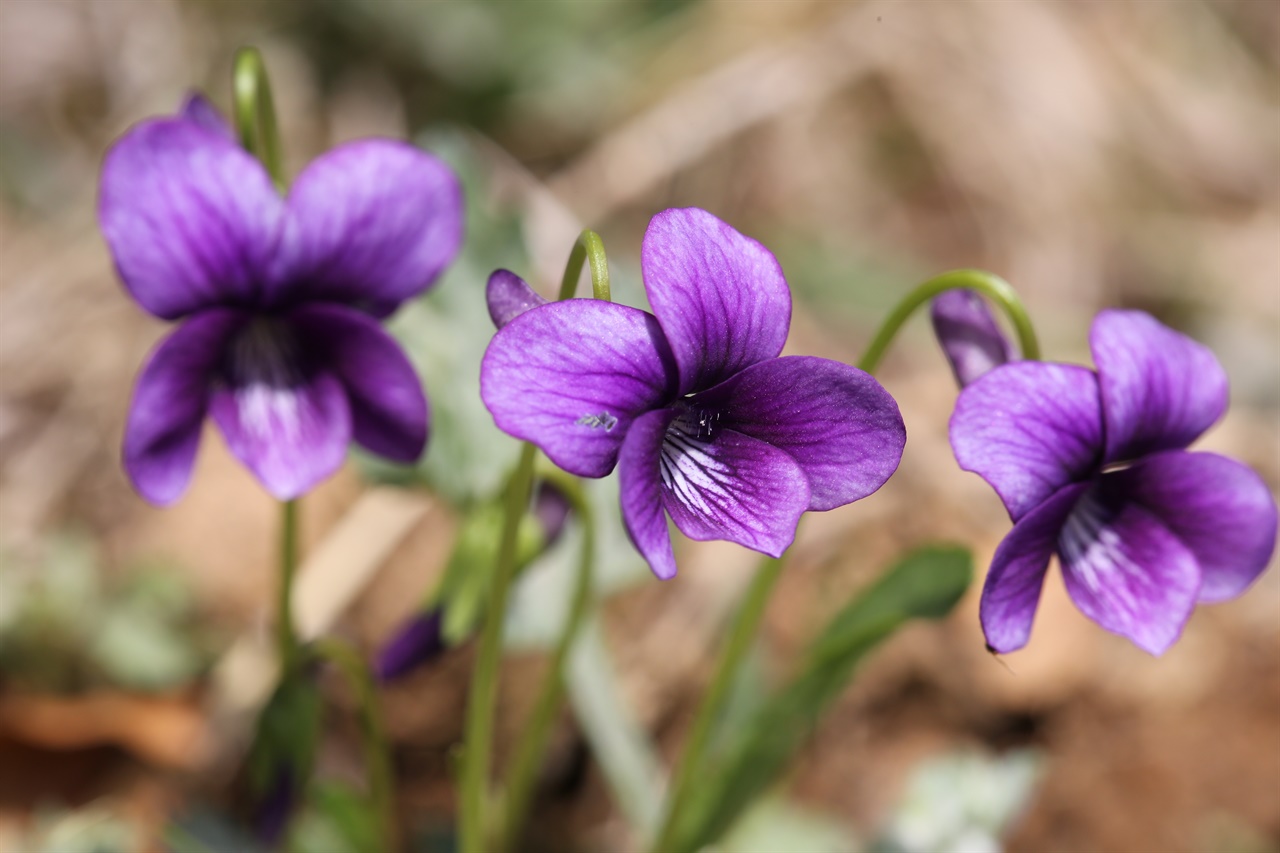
x,y
388,408
415,642
836,421
732,487
197,108
1029,428
509,296
721,297
571,376
1012,590
1126,571
371,224
288,422
640,485
169,405
968,333
1219,509
191,219
1160,389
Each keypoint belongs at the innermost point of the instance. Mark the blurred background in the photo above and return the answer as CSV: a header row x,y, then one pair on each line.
x,y
1092,153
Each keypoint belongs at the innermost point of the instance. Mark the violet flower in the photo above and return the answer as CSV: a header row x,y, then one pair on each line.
x,y
278,298
1092,466
968,334
692,403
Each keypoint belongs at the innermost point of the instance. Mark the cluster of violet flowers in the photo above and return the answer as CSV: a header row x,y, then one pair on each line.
x,y
278,300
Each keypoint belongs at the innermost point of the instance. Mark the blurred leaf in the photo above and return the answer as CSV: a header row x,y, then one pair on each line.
x,y
286,736
776,824
630,766
138,648
337,819
960,803
926,584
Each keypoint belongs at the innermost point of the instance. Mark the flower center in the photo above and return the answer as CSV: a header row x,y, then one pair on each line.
x,y
688,464
264,367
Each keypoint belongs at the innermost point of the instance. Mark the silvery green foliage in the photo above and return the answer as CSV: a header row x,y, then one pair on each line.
x,y
961,803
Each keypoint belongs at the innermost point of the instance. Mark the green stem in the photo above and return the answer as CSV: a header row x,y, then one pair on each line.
x,y
532,746
377,752
255,112
588,248
286,633
484,681
992,286
741,635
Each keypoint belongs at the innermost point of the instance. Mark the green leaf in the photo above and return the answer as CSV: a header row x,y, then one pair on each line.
x,y
925,584
337,819
286,736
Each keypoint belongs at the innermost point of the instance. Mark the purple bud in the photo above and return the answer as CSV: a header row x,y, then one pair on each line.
x,y
417,641
968,333
198,109
271,815
551,508
509,296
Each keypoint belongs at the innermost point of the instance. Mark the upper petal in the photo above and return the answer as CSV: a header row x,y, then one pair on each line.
x,y
197,108
370,223
640,487
191,219
1126,571
836,421
1029,428
1160,389
388,407
508,296
571,377
968,334
721,297
1220,510
1012,589
169,405
285,418
731,486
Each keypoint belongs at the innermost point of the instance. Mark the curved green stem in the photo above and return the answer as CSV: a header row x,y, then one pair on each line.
x,y
255,112
482,700
588,248
377,753
532,746
741,635
992,286
286,633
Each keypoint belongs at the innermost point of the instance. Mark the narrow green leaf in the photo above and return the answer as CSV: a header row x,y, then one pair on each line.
x,y
925,584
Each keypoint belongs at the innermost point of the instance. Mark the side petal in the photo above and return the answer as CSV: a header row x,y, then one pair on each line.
x,y
1011,593
720,296
1219,509
191,219
169,404
1160,389
388,407
199,109
1127,571
508,296
640,485
290,435
732,487
1029,428
836,421
371,224
571,377
968,334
